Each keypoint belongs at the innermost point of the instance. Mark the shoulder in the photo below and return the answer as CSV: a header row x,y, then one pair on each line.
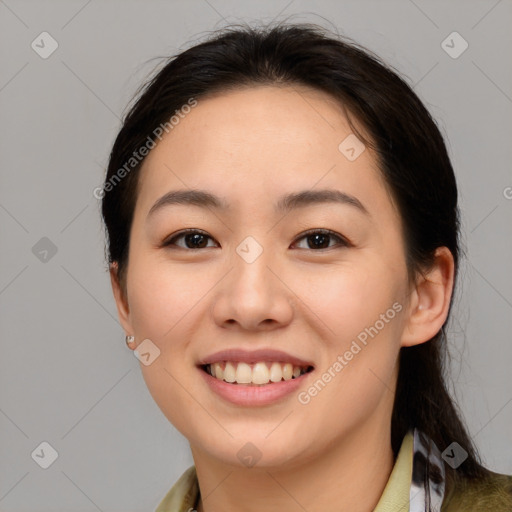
x,y
491,493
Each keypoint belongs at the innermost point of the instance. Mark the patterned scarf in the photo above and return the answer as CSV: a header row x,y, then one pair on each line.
x,y
428,475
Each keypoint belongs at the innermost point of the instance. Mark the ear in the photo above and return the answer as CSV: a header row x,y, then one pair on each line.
x,y
430,300
123,309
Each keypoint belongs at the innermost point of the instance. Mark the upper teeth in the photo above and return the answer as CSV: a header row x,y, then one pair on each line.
x,y
259,373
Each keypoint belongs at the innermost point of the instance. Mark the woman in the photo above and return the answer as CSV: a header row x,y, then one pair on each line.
x,y
283,228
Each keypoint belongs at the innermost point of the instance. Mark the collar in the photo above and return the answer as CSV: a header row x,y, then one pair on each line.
x,y
410,483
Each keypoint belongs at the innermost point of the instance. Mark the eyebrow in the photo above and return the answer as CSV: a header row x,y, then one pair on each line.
x,y
286,203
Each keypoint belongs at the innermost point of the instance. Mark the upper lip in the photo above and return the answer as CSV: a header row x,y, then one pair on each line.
x,y
254,356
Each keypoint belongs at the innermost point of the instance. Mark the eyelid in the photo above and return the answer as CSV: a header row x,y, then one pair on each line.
x,y
342,241
325,231
183,232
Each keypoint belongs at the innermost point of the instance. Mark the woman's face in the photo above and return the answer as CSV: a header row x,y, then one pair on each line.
x,y
256,282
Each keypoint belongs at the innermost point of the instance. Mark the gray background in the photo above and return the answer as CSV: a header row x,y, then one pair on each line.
x,y
66,376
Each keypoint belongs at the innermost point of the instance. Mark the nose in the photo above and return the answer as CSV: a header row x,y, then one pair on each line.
x,y
253,296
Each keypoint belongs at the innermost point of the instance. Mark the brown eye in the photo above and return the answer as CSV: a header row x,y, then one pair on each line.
x,y
193,239
320,238
317,239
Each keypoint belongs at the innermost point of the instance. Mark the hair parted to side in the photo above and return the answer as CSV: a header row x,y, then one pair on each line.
x,y
411,153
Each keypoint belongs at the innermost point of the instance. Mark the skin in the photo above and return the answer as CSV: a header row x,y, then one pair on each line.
x,y
250,147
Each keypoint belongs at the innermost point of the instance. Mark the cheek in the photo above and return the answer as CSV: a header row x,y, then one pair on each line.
x,y
358,366
162,297
162,302
350,297
361,307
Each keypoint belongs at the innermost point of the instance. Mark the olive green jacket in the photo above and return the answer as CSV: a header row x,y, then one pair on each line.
x,y
404,491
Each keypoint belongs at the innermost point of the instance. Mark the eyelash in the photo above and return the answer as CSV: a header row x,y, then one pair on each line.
x,y
343,242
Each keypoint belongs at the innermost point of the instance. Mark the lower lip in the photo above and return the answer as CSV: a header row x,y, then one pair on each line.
x,y
250,395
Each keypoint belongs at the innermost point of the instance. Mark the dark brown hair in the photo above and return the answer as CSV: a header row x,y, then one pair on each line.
x,y
410,149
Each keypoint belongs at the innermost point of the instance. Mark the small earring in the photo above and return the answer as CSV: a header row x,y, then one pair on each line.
x,y
129,340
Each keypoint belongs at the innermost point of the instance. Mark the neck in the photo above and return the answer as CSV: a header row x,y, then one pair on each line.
x,y
352,473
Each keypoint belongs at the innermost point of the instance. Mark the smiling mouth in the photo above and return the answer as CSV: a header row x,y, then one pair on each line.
x,y
257,374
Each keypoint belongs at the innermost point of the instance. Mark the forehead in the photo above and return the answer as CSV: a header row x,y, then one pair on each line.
x,y
262,140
